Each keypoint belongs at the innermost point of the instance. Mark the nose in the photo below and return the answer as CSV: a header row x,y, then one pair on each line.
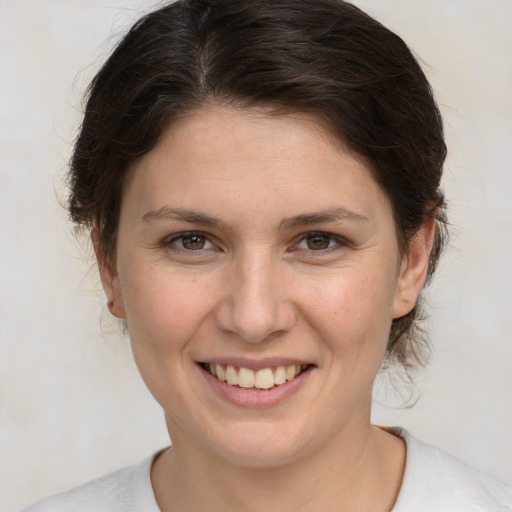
x,y
254,305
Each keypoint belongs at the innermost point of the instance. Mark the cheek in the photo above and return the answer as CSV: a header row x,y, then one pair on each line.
x,y
164,307
164,312
353,308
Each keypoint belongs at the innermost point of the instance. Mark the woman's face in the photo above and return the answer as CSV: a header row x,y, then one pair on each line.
x,y
257,245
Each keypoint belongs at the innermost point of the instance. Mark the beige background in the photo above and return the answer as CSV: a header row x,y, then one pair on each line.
x,y
72,406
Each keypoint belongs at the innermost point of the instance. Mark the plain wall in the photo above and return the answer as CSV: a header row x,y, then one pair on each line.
x,y
72,406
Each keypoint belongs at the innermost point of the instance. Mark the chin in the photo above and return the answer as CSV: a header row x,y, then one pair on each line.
x,y
260,446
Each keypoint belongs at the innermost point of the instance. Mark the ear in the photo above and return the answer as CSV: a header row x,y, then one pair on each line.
x,y
413,271
109,277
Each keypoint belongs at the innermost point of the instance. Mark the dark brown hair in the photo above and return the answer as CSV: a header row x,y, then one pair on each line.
x,y
321,56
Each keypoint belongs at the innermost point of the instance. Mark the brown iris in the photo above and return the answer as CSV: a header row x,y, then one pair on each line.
x,y
193,241
318,241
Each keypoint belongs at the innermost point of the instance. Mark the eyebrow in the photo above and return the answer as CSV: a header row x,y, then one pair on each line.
x,y
192,216
305,219
329,215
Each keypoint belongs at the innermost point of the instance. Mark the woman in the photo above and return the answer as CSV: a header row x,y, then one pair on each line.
x,y
261,181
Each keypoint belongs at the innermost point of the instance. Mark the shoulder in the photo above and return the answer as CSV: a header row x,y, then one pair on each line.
x,y
434,481
127,489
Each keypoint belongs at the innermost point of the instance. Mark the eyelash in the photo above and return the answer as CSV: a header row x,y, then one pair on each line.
x,y
182,236
338,242
304,238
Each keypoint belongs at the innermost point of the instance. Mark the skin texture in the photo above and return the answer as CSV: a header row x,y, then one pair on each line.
x,y
253,287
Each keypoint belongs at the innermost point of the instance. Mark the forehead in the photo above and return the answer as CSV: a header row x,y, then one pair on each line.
x,y
251,158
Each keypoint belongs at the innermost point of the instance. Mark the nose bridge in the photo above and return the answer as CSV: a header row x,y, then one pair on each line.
x,y
254,305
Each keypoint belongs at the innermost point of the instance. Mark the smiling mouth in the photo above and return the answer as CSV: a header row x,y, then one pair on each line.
x,y
264,378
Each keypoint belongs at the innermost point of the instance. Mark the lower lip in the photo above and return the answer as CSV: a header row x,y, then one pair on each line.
x,y
253,397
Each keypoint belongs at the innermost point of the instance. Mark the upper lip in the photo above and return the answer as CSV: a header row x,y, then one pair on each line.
x,y
256,364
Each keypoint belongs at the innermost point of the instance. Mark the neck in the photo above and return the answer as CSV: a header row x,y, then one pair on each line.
x,y
362,470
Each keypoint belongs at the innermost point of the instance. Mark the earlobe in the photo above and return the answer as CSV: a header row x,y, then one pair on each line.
x,y
109,277
413,271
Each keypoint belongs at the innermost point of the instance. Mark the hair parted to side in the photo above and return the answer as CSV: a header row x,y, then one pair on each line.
x,y
321,56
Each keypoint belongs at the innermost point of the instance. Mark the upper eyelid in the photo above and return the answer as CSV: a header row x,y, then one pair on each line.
x,y
212,239
177,236
341,242
181,234
339,238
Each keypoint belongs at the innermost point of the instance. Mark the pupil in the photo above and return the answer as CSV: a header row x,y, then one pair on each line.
x,y
193,241
318,242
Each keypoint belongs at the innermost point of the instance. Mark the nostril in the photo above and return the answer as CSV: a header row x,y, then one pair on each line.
x,y
254,322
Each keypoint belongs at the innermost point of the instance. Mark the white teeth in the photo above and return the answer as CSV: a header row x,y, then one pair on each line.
x,y
265,378
280,375
231,375
291,372
219,371
245,378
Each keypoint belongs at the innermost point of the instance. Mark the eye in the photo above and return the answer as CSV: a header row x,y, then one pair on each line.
x,y
318,241
191,241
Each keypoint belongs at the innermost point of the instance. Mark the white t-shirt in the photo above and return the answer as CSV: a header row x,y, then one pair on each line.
x,y
433,482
